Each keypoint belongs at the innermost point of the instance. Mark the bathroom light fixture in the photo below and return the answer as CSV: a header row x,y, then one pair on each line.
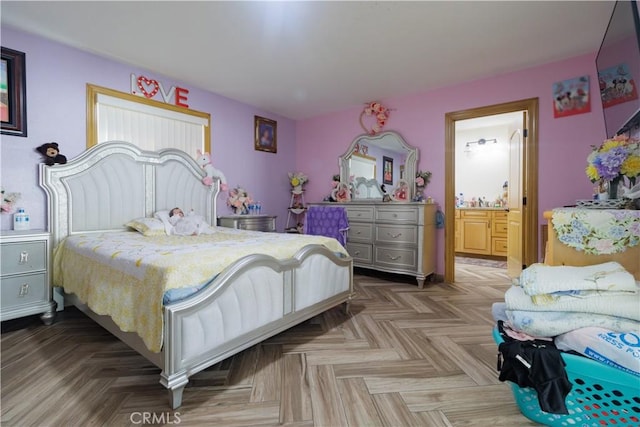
x,y
481,141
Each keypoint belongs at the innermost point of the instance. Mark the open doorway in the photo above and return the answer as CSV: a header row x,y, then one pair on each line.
x,y
522,199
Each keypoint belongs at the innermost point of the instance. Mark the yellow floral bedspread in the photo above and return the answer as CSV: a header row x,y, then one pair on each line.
x,y
125,274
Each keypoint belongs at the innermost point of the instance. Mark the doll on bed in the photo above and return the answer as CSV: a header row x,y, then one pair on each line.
x,y
189,224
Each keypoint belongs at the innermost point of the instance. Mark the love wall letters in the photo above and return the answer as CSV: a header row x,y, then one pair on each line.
x,y
149,88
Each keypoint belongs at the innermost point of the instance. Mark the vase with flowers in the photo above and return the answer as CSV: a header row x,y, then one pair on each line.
x,y
239,200
297,180
614,164
421,181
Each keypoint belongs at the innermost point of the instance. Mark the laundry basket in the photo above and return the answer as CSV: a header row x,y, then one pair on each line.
x,y
600,395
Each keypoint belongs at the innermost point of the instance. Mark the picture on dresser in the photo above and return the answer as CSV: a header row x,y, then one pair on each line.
x,y
266,136
387,168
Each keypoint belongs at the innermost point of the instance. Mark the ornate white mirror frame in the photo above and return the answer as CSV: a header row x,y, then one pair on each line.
x,y
389,141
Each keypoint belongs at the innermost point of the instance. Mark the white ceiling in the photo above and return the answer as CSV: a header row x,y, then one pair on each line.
x,y
302,59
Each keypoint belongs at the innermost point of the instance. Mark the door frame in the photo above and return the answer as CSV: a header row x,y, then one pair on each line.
x,y
529,178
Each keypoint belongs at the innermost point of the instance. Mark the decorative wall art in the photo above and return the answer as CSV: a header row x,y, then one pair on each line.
x,y
149,88
379,112
266,135
387,170
571,97
617,85
13,93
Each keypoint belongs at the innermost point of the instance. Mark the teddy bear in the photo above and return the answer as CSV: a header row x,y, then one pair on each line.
x,y
51,154
204,160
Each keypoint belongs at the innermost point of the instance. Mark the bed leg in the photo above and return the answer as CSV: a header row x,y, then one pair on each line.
x,y
175,386
175,397
347,307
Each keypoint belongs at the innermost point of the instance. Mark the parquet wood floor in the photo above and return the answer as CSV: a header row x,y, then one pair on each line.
x,y
403,357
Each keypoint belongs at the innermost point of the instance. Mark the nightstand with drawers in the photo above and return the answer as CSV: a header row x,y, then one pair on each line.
x,y
24,275
249,222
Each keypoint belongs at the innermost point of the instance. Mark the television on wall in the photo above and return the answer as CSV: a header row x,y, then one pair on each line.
x,y
618,65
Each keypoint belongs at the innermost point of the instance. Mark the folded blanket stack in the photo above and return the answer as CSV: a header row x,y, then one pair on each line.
x,y
551,300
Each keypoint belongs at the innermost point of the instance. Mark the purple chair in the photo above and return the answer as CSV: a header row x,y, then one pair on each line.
x,y
329,221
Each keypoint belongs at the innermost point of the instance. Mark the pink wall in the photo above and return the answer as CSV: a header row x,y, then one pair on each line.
x,y
564,143
56,90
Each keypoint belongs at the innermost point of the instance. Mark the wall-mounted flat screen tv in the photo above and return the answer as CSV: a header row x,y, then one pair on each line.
x,y
618,65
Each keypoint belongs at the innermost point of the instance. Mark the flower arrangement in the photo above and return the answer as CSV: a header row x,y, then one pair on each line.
x,y
422,178
8,201
613,161
381,114
297,180
239,200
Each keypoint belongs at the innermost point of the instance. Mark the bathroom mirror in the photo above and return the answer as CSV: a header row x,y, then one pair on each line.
x,y
375,160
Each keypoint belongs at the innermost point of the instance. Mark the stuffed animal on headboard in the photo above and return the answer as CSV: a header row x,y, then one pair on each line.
x,y
204,160
51,154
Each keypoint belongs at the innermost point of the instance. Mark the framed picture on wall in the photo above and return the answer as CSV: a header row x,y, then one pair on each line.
x,y
13,93
266,134
387,170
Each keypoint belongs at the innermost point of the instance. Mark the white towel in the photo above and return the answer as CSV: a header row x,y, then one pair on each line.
x,y
545,279
627,306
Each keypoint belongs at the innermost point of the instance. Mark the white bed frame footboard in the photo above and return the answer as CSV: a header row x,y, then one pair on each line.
x,y
251,300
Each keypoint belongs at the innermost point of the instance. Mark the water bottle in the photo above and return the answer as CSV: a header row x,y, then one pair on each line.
x,y
259,208
21,220
461,200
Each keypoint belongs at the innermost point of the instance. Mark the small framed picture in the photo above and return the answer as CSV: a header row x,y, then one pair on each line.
x,y
266,135
387,170
13,93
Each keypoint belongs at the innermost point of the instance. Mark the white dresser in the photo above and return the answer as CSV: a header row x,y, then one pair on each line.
x,y
24,275
393,237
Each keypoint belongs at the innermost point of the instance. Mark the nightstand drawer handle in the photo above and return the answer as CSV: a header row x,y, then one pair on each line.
x,y
394,236
24,257
24,290
356,253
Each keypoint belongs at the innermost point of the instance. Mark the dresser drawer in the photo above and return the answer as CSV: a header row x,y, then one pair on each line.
x,y
400,259
408,214
360,213
401,234
499,228
23,257
361,253
499,246
500,215
360,233
25,289
468,213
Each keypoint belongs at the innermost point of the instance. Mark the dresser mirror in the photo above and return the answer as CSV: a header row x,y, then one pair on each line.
x,y
375,160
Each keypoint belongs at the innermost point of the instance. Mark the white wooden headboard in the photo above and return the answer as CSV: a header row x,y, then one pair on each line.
x,y
115,182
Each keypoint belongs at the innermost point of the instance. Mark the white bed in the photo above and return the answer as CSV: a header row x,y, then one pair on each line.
x,y
114,182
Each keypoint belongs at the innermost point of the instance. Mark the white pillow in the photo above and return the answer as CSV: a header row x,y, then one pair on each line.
x,y
147,226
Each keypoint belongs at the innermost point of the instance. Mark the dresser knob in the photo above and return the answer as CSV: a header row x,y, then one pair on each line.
x,y
393,258
356,253
24,257
394,236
